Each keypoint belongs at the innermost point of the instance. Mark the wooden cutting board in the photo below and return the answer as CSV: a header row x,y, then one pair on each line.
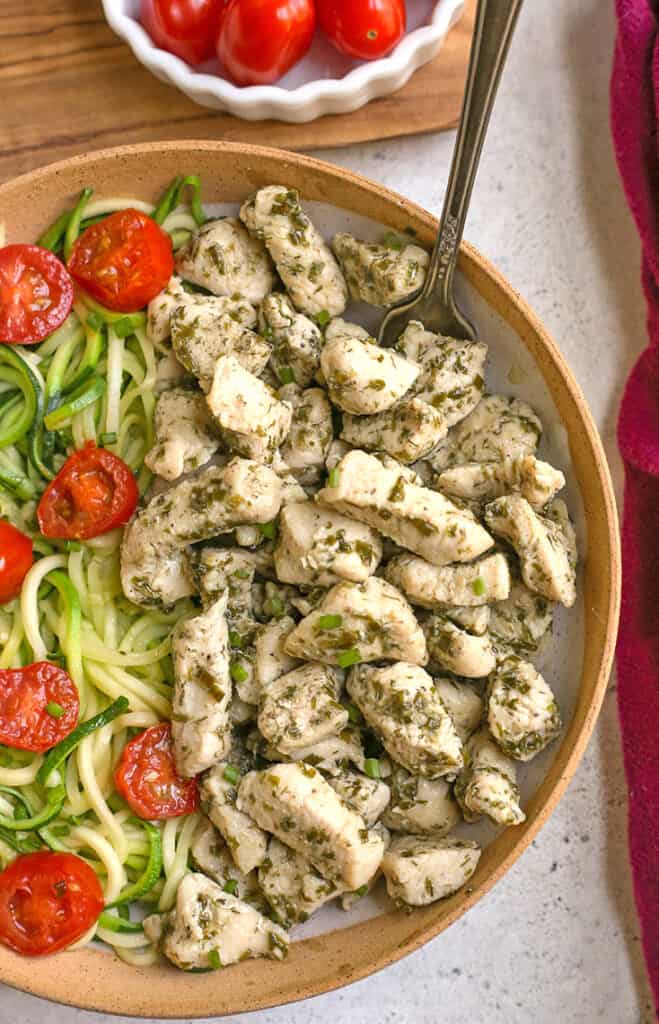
x,y
69,85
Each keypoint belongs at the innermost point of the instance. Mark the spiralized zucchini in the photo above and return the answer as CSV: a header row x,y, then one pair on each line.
x,y
92,380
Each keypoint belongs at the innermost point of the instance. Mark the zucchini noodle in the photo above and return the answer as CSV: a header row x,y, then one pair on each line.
x,y
93,379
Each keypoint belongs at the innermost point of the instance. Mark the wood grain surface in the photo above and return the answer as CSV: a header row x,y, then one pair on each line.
x,y
69,85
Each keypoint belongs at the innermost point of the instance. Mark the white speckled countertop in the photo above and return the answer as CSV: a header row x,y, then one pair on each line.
x,y
557,940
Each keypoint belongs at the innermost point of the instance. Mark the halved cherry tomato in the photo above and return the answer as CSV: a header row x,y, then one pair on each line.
x,y
47,901
15,560
147,779
93,493
187,28
363,28
123,261
260,40
39,706
36,294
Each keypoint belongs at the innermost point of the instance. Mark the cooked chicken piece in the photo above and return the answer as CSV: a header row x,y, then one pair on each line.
x,y
380,275
417,518
498,428
367,797
522,620
203,333
202,690
170,374
271,660
422,869
407,431
474,620
433,586
488,783
296,340
456,650
319,547
229,571
224,258
331,755
536,481
361,377
546,553
212,856
310,436
400,703
253,422
210,928
247,842
154,566
451,377
366,621
521,710
294,802
420,805
186,436
305,263
464,704
292,886
160,309
301,708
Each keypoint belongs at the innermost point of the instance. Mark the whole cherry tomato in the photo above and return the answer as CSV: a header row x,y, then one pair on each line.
x,y
15,560
260,40
36,294
93,493
47,901
187,28
147,778
363,28
39,706
124,261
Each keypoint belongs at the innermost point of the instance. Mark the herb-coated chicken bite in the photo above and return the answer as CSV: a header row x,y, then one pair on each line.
x,y
407,431
251,419
219,794
296,340
202,333
225,259
380,274
536,481
422,869
360,376
488,783
464,703
420,805
292,886
186,436
456,650
451,370
317,546
432,586
497,428
521,709
301,708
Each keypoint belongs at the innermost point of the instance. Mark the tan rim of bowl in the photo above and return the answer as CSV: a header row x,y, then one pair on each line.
x,y
93,980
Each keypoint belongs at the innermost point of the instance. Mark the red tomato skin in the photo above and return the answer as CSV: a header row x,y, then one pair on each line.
x,y
47,901
186,28
150,755
24,693
93,493
15,560
123,261
36,294
366,29
284,30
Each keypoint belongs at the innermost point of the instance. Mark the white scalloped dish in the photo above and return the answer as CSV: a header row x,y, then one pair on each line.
x,y
323,82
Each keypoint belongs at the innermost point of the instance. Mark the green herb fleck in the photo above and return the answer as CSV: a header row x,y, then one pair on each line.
x,y
54,709
372,767
478,586
238,672
334,477
349,657
231,774
330,621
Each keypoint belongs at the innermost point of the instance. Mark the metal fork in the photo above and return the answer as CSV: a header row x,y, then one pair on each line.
x,y
435,304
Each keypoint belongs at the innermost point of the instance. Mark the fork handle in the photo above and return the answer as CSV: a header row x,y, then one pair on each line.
x,y
495,22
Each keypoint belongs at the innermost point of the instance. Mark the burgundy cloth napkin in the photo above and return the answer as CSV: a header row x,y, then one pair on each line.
x,y
635,123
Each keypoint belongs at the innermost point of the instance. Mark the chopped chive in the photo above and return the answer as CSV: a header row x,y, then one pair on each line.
x,y
268,530
95,321
392,241
123,328
478,586
109,438
214,959
235,639
242,574
354,714
238,672
72,545
231,774
231,886
323,318
274,607
363,889
286,374
54,709
334,477
372,767
349,657
330,621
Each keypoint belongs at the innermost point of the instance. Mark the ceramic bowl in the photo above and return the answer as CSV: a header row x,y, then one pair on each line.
x,y
337,948
324,82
